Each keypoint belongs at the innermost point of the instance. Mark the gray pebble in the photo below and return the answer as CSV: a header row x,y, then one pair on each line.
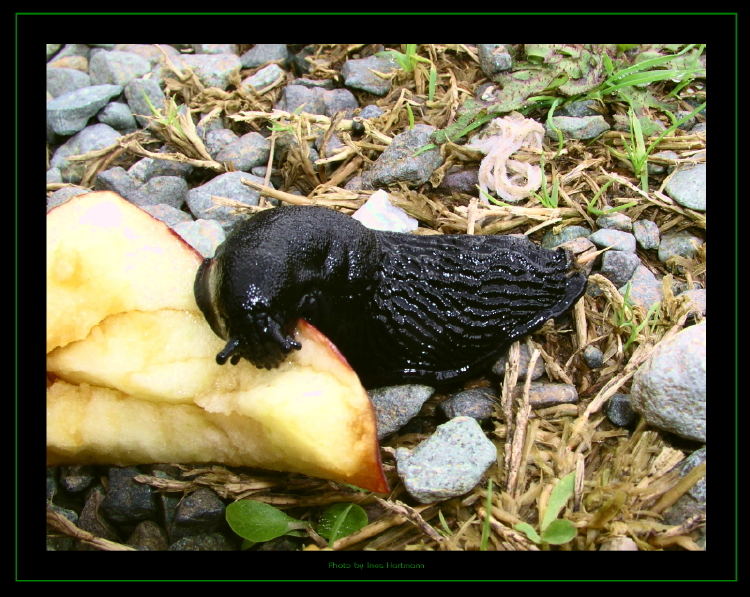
x,y
52,473
619,266
615,221
645,289
616,239
543,394
213,70
524,357
477,403
170,190
138,171
621,122
167,214
96,136
215,48
449,463
227,185
127,501
646,234
700,127
584,127
371,111
358,74
167,167
90,519
494,58
620,411
654,168
669,389
579,109
216,123
76,478
217,139
551,240
397,405
693,501
681,244
134,93
619,543
462,181
118,116
116,68
203,542
73,50
60,196
68,113
203,235
688,187
154,53
339,100
323,83
64,80
593,356
248,151
54,175
118,180
199,512
264,77
148,536
697,299
261,54
398,162
305,99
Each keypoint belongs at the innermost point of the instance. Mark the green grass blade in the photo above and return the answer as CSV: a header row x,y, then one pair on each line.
x,y
560,495
432,83
486,523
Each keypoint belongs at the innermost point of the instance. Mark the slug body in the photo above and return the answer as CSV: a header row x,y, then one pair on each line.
x,y
400,307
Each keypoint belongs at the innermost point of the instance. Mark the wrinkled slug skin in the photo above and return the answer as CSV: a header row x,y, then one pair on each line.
x,y
400,307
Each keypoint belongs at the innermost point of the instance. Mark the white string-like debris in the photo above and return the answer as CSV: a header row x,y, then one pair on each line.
x,y
510,179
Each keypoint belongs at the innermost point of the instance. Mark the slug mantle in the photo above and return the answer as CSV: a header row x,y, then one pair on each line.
x,y
400,307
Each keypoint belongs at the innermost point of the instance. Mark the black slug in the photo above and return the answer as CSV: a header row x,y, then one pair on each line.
x,y
400,307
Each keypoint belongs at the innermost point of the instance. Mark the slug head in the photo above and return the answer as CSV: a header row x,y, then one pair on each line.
x,y
239,312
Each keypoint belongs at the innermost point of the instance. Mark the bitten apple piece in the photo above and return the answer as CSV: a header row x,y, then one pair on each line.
x,y
107,256
310,416
135,377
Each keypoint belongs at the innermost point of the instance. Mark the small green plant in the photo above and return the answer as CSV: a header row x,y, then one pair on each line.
x,y
410,114
409,62
548,199
591,205
553,530
625,318
491,199
636,151
257,522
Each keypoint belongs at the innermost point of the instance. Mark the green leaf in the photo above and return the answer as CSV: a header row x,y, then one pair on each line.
x,y
528,530
410,115
559,531
257,522
340,520
558,498
432,83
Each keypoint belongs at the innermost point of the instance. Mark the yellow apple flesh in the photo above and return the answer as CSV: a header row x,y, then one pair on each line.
x,y
135,376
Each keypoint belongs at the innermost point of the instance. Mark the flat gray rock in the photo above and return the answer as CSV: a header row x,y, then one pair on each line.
x,y
581,127
70,112
358,74
645,289
227,185
669,389
261,54
646,234
395,406
398,162
616,239
451,462
203,235
137,91
250,150
97,136
116,68
688,187
65,80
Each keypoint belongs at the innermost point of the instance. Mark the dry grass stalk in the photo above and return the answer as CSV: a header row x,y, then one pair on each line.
x,y
300,200
62,525
506,402
413,516
519,431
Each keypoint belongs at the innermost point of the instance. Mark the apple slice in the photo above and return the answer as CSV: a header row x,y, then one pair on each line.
x,y
141,383
107,256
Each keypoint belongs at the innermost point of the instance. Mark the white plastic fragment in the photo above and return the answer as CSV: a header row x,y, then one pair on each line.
x,y
511,180
378,213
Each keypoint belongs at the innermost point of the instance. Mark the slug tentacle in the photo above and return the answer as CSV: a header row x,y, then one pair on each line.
x,y
400,307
